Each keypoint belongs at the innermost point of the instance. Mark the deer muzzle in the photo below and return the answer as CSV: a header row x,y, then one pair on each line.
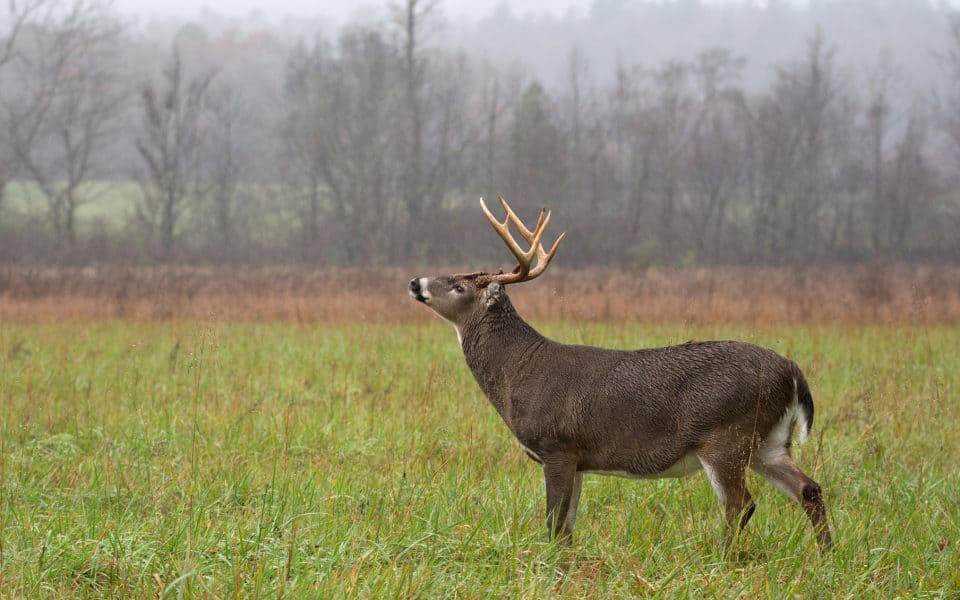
x,y
418,289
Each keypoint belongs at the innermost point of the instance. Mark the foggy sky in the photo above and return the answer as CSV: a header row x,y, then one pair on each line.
x,y
346,9
339,10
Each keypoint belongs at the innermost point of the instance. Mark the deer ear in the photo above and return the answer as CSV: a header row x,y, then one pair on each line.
x,y
492,293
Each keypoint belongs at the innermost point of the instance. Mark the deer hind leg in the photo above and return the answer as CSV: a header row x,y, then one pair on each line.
x,y
727,476
776,466
562,480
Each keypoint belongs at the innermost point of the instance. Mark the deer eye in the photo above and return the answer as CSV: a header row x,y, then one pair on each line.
x,y
458,288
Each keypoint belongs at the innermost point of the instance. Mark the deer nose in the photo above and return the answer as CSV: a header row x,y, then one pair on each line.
x,y
415,285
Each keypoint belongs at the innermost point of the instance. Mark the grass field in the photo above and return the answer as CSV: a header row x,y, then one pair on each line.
x,y
107,203
192,459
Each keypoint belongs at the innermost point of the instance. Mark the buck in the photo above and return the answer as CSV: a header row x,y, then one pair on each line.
x,y
721,406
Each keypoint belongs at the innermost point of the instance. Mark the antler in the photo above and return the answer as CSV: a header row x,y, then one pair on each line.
x,y
522,272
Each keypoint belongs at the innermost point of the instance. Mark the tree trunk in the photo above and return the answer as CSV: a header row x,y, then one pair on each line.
x,y
167,228
69,218
413,192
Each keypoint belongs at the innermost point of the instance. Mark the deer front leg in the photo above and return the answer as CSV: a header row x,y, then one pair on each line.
x,y
571,519
562,480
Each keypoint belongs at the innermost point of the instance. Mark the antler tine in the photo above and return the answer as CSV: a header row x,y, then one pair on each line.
x,y
535,245
544,258
526,233
523,258
522,272
532,237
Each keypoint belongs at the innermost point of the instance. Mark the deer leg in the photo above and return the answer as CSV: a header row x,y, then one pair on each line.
x,y
560,476
728,482
571,519
778,468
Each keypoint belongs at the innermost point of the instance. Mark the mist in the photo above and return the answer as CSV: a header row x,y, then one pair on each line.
x,y
675,133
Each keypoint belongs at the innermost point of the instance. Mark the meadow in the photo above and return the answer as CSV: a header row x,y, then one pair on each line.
x,y
192,458
103,203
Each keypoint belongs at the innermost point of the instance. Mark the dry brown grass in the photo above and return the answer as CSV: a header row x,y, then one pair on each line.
x,y
891,294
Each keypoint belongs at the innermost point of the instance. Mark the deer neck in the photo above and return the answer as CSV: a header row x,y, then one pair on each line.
x,y
498,346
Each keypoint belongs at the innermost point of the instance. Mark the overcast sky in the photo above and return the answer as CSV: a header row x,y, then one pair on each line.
x,y
342,9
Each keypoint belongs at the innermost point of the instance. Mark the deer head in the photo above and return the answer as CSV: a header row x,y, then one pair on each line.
x,y
461,297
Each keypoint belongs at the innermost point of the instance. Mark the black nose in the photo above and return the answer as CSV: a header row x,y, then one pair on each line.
x,y
415,285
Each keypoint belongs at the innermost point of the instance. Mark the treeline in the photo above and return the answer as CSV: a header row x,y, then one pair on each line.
x,y
373,147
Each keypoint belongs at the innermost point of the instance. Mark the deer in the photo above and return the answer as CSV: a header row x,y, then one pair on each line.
x,y
719,406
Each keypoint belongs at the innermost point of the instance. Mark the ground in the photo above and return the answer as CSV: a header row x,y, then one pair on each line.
x,y
205,459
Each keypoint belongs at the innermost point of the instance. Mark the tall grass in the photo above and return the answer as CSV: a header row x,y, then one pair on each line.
x,y
867,294
194,459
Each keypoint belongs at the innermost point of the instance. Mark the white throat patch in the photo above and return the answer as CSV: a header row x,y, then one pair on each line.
x,y
455,328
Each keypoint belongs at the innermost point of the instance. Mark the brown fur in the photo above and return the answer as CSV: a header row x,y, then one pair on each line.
x,y
638,413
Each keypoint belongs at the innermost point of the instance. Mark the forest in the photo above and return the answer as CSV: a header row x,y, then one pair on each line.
x,y
369,142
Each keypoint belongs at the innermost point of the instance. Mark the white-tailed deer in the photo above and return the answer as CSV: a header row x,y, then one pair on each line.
x,y
658,412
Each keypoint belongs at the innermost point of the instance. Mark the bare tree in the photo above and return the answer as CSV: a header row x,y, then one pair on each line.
x,y
374,138
582,116
415,196
714,158
910,184
673,115
68,99
538,157
484,168
494,102
578,73
631,149
18,15
225,161
435,129
952,64
304,147
170,147
801,126
343,147
878,125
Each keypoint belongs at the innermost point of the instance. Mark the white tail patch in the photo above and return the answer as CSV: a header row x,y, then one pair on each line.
x,y
793,422
803,426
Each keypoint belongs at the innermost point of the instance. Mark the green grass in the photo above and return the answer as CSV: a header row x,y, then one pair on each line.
x,y
108,204
213,460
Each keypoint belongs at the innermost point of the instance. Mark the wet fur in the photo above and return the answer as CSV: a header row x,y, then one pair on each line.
x,y
635,413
